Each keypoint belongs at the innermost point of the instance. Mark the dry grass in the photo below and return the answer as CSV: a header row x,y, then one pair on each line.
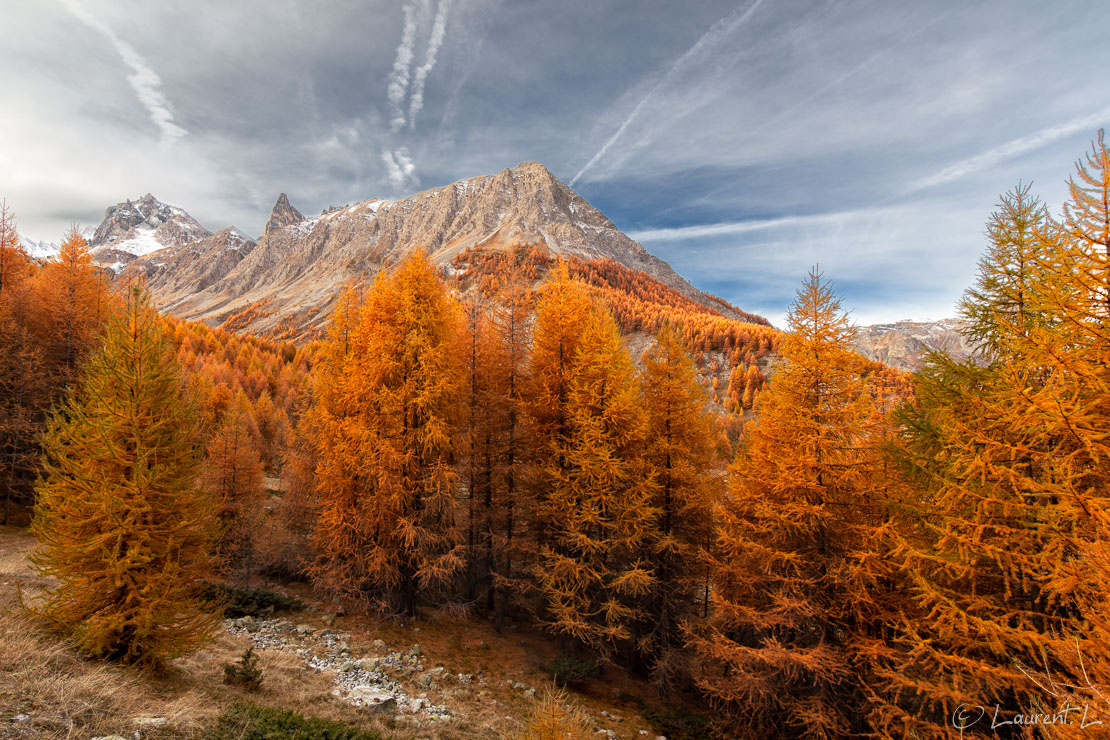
x,y
66,696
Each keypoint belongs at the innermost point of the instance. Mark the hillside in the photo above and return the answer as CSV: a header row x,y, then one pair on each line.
x,y
287,282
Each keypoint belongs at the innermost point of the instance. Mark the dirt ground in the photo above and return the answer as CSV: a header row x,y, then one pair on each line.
x,y
49,691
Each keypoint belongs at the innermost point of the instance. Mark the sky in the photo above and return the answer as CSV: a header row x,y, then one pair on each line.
x,y
741,142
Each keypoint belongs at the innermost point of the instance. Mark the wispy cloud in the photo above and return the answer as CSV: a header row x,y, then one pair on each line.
x,y
399,167
435,40
699,231
693,56
402,66
144,81
1011,149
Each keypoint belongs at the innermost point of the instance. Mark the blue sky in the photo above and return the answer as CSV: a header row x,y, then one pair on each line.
x,y
741,142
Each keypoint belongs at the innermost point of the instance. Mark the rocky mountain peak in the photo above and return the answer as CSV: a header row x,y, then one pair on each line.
x,y
283,214
137,227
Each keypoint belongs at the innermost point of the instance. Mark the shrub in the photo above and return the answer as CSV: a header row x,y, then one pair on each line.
x,y
244,672
553,718
570,670
250,721
238,601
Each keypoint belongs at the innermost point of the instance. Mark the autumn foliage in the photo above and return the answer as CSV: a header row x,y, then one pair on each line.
x,y
127,534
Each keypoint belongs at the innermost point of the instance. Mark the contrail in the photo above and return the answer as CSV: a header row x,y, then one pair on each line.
x,y
1011,149
144,81
722,28
435,40
402,63
399,166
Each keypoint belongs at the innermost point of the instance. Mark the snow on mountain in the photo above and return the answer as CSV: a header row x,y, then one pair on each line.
x,y
38,250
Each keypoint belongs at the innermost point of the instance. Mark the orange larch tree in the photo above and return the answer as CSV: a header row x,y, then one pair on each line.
x,y
680,457
233,475
594,504
386,414
796,601
1006,548
127,533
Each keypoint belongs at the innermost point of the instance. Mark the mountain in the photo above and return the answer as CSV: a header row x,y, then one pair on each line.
x,y
903,344
38,250
289,278
174,273
283,214
135,228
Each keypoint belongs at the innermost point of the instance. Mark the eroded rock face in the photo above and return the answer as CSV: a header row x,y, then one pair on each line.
x,y
283,214
177,272
904,344
299,263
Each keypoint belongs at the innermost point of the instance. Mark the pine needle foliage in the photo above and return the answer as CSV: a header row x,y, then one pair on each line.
x,y
127,534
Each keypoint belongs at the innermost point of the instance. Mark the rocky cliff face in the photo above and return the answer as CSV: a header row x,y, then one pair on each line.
x,y
283,214
904,344
135,228
175,273
299,263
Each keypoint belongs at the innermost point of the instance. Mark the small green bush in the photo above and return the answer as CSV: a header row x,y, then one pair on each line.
x,y
250,721
238,601
244,672
570,670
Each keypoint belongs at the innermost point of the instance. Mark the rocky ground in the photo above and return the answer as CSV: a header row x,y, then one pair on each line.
x,y
440,678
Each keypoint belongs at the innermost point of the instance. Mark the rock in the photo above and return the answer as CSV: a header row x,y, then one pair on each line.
x,y
415,650
465,678
150,721
20,718
343,647
613,717
283,214
305,629
374,698
418,704
329,619
530,693
284,627
519,686
110,737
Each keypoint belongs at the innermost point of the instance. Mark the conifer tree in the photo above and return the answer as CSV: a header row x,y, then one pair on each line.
x,y
594,506
387,410
233,475
74,303
127,534
794,601
1006,552
680,457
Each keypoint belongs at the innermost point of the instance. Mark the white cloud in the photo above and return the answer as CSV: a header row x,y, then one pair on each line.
x,y
399,167
144,80
435,40
402,66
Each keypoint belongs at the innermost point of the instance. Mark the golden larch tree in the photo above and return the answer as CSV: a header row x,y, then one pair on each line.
x,y
594,504
796,557
680,456
386,414
233,474
126,532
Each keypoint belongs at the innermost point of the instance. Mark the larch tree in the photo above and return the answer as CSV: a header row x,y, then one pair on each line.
x,y
386,415
127,533
24,392
594,505
796,600
233,474
680,457
1006,549
74,302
